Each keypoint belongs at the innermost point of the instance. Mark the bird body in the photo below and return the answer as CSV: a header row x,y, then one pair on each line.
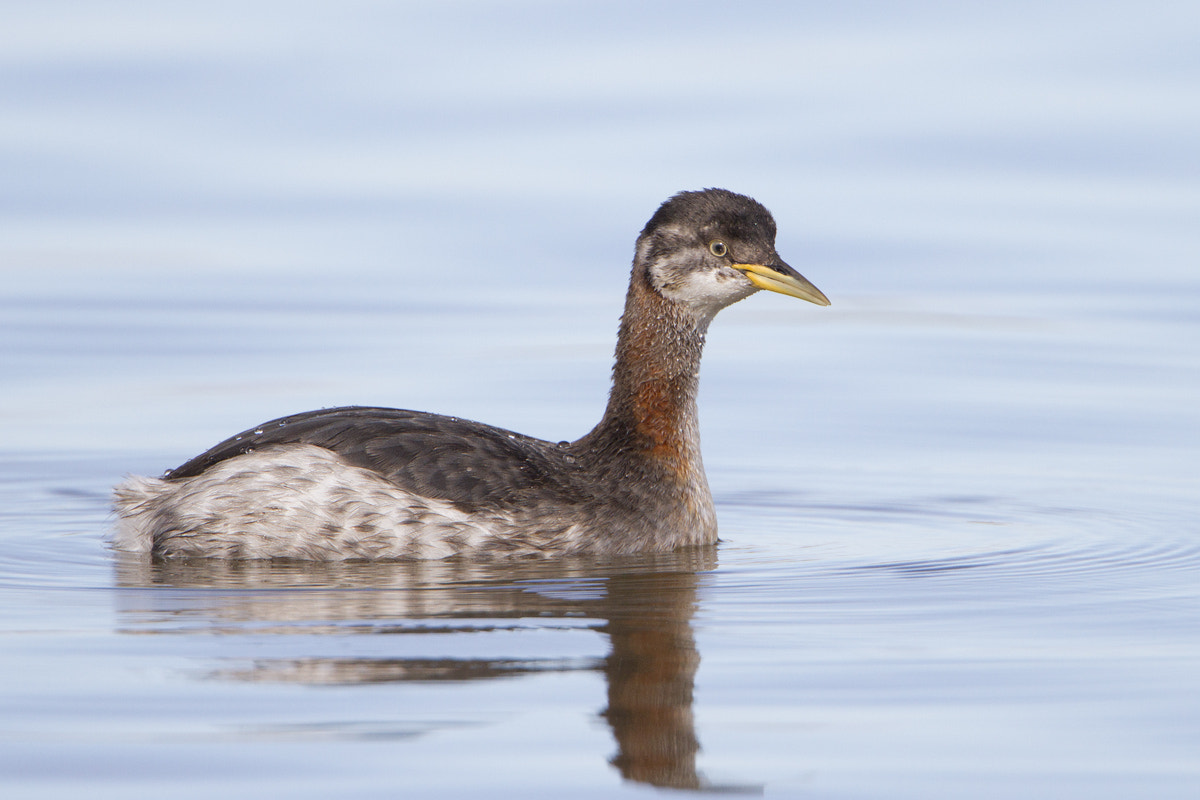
x,y
387,483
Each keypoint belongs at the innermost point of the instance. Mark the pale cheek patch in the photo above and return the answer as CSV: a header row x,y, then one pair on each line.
x,y
705,292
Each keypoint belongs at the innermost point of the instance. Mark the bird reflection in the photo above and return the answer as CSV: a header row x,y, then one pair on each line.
x,y
650,673
644,605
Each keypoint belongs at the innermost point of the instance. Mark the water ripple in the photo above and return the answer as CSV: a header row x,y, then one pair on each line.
x,y
991,548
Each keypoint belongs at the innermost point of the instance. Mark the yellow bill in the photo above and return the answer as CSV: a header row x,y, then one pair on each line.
x,y
783,279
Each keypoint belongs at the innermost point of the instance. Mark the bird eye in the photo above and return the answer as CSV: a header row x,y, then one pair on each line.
x,y
718,249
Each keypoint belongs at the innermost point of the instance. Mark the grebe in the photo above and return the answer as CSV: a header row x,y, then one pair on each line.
x,y
379,483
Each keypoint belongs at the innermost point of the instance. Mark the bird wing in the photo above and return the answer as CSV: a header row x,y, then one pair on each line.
x,y
435,456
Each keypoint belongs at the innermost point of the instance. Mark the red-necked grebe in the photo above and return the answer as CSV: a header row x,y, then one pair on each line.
x,y
374,483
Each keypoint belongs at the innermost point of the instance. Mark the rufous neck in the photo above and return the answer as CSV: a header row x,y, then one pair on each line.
x,y
655,379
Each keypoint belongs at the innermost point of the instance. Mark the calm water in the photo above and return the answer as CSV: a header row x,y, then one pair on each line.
x,y
960,557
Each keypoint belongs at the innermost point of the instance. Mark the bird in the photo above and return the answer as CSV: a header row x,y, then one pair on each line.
x,y
365,483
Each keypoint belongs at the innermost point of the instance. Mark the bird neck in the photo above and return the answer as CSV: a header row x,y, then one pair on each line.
x,y
652,406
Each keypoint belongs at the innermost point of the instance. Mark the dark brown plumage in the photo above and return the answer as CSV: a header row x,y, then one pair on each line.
x,y
380,483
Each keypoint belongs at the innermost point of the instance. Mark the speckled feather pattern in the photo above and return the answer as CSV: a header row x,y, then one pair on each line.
x,y
306,502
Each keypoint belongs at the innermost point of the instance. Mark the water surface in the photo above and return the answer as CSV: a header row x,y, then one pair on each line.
x,y
958,508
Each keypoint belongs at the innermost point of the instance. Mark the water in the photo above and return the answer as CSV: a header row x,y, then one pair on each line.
x,y
960,552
